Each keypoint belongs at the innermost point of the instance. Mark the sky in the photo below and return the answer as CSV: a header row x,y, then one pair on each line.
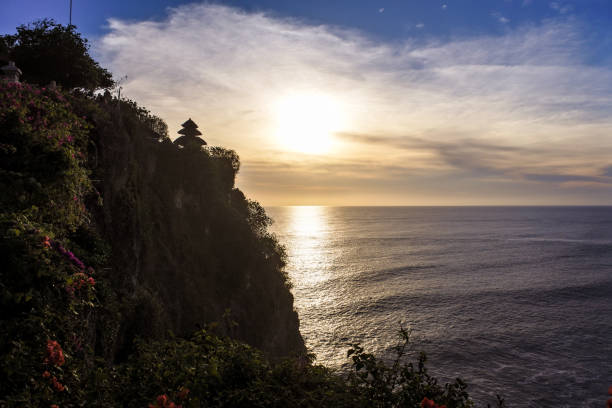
x,y
423,102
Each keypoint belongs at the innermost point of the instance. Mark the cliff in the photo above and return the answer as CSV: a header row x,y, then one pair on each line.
x,y
188,249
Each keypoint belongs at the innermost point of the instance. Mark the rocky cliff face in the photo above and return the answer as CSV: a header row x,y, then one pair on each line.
x,y
188,249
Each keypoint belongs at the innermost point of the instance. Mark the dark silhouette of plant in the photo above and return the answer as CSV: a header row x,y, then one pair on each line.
x,y
47,51
402,384
143,115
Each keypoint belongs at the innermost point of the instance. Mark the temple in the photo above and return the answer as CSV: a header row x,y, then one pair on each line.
x,y
11,73
190,135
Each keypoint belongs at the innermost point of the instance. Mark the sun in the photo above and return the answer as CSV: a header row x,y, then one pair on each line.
x,y
306,122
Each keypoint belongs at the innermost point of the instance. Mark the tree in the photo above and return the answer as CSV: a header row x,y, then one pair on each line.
x,y
46,51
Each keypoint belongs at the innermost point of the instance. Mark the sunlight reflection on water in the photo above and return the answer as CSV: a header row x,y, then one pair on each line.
x,y
326,285
308,231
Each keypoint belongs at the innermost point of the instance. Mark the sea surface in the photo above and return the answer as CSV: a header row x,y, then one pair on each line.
x,y
514,300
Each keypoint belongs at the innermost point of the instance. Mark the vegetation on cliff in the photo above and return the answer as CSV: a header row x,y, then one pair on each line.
x,y
47,51
136,274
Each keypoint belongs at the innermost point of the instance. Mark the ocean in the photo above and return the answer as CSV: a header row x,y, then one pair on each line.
x,y
514,300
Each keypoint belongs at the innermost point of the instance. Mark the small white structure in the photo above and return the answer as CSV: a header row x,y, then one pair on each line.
x,y
11,73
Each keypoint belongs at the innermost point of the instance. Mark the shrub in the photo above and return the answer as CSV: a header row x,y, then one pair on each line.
x,y
46,51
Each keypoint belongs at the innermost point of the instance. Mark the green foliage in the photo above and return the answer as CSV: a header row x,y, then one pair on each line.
x,y
401,384
46,51
211,371
43,151
47,293
145,117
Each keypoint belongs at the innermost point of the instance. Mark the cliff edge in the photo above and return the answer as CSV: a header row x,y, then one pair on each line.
x,y
188,249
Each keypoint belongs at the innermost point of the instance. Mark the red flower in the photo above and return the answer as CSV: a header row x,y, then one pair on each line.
x,y
54,406
55,354
427,403
46,374
47,242
91,281
162,400
57,385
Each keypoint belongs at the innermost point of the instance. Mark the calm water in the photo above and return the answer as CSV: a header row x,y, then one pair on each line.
x,y
514,300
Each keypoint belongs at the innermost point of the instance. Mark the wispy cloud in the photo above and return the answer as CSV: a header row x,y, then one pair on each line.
x,y
560,7
499,17
512,106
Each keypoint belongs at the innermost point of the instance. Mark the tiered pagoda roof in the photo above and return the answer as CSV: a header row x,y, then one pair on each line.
x,y
190,135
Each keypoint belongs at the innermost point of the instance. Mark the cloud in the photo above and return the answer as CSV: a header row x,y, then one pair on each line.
x,y
444,7
526,102
538,162
561,8
420,25
500,18
381,10
565,178
607,172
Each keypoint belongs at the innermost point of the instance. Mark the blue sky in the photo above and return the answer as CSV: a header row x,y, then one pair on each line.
x,y
387,19
422,102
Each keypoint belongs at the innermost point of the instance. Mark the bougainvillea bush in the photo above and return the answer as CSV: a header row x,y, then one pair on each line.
x,y
47,288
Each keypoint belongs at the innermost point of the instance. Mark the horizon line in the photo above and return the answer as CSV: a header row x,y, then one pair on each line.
x,y
439,205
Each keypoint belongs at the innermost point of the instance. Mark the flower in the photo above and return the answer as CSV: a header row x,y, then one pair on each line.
x,y
427,403
54,406
57,385
47,242
55,354
162,400
46,374
92,282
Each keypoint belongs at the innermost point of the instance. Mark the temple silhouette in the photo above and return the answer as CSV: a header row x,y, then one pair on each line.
x,y
190,135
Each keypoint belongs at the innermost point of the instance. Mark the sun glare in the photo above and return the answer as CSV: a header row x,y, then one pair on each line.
x,y
306,122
